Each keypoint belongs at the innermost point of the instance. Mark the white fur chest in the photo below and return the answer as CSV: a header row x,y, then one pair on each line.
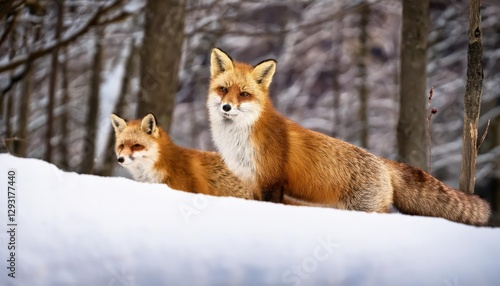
x,y
236,148
143,171
233,140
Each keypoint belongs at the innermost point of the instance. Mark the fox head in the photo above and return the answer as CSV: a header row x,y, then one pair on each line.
x,y
238,92
136,146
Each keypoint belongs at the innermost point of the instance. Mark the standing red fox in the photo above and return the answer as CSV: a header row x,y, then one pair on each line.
x,y
149,154
284,162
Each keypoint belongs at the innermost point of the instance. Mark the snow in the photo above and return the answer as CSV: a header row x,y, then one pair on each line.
x,y
87,230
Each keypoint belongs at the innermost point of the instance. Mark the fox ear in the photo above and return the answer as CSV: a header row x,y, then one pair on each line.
x,y
118,123
263,72
149,124
220,62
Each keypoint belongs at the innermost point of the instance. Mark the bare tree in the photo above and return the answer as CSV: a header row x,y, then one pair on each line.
x,y
53,83
411,134
99,18
8,102
64,118
20,146
472,101
336,72
24,112
496,142
160,58
87,165
362,76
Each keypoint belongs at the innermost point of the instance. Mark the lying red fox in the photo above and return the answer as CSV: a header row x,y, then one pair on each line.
x,y
149,154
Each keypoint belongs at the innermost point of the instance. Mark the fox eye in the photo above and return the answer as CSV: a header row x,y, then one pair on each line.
x,y
223,89
121,146
244,94
137,147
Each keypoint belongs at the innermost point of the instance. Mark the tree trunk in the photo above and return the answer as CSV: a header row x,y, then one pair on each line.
x,y
491,142
9,98
160,57
336,72
362,77
472,101
87,165
411,130
53,83
19,146
119,109
9,103
64,119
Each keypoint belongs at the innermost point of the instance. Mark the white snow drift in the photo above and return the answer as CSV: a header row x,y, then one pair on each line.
x,y
86,230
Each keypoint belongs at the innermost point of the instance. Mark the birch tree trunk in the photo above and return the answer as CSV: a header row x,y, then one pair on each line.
x,y
472,101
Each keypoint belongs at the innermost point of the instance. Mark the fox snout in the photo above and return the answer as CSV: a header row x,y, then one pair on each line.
x,y
227,109
125,160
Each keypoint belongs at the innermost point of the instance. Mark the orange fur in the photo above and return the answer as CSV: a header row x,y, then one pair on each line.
x,y
154,158
291,164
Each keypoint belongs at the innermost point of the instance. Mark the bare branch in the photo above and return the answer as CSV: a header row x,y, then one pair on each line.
x,y
94,20
9,28
484,135
14,79
7,7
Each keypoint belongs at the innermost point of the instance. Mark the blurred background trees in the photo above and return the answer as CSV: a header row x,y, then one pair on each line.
x,y
411,129
65,65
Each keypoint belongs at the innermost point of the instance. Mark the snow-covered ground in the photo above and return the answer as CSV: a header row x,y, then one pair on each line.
x,y
86,230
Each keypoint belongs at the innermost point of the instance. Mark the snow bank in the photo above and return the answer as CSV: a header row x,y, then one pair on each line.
x,y
87,230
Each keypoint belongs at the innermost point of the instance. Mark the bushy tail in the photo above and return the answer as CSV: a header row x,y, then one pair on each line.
x,y
418,193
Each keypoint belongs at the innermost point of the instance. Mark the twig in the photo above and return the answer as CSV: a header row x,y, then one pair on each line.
x,y
430,112
484,135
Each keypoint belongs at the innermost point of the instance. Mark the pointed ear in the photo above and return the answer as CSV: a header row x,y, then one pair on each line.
x,y
118,123
263,72
149,124
220,62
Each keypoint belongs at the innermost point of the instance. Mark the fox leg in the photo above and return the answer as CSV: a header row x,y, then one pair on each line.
x,y
273,194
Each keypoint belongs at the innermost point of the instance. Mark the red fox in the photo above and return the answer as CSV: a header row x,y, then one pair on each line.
x,y
284,162
149,154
